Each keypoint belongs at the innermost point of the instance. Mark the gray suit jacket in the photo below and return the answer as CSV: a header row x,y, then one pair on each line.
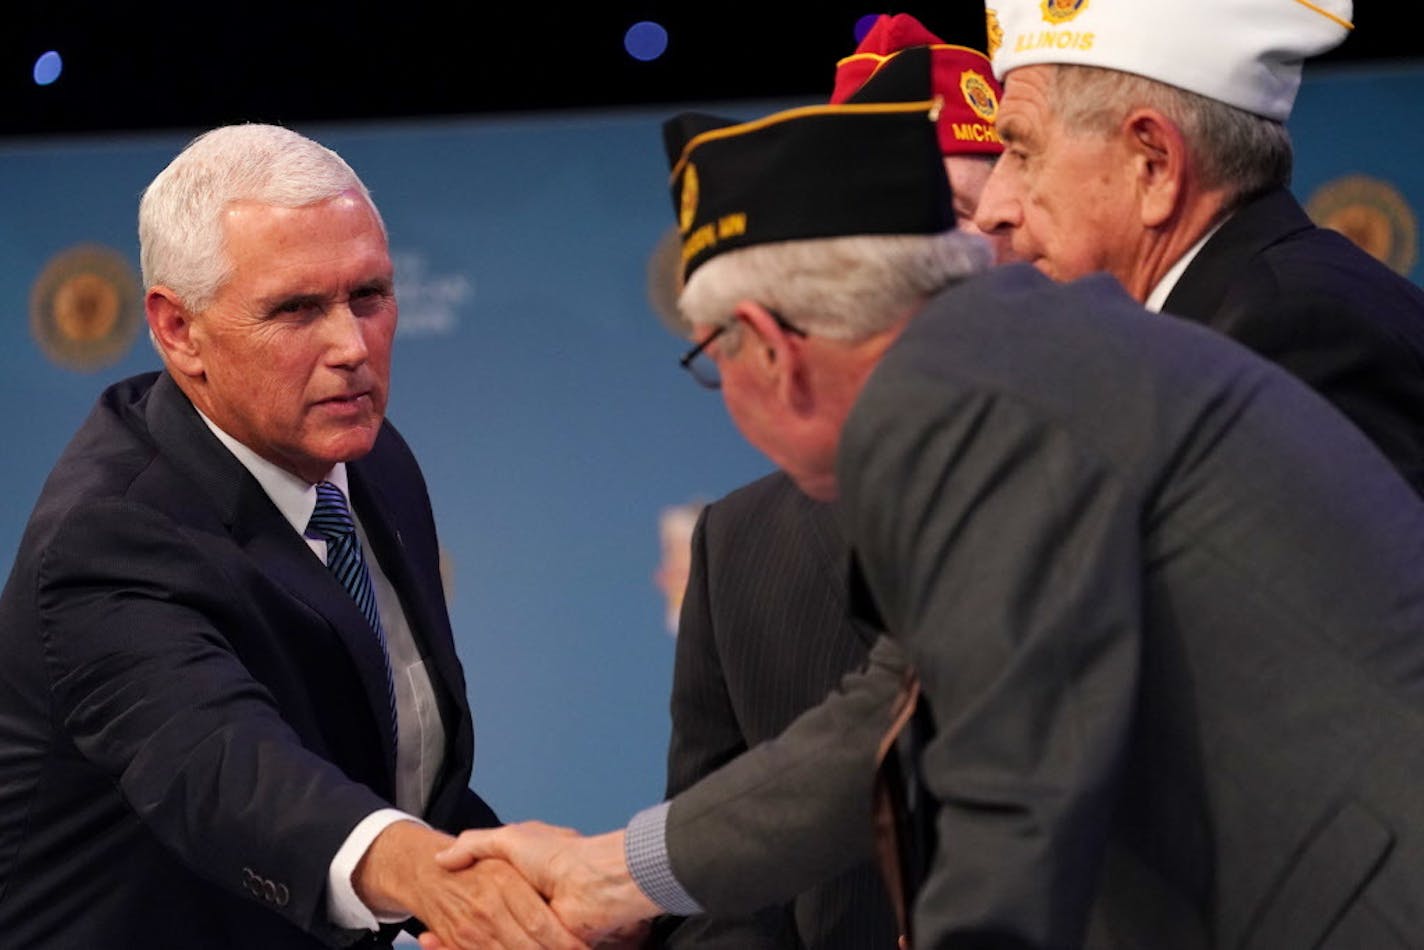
x,y
1166,609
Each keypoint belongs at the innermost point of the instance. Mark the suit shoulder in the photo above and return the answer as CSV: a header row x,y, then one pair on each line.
x,y
770,523
1320,278
752,497
391,457
1018,361
1013,333
764,511
109,453
391,445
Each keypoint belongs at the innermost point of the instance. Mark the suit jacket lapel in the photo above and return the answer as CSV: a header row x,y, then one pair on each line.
x,y
267,538
422,598
285,557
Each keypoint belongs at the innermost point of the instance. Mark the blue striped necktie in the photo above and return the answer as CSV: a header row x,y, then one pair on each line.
x,y
332,522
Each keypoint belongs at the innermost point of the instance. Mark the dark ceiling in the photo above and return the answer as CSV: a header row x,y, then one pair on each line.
x,y
165,65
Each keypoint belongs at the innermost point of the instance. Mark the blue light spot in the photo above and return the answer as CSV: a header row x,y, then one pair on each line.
x,y
645,40
47,68
863,25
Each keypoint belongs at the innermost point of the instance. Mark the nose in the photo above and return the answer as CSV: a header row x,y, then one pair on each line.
x,y
346,337
998,211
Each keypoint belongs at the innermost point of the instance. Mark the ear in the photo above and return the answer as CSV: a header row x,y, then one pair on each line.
x,y
779,355
1160,162
171,325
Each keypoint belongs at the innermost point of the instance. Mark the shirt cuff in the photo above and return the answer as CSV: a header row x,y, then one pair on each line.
x,y
345,909
645,850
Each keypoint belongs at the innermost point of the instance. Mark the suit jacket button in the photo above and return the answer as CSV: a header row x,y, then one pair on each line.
x,y
269,892
283,895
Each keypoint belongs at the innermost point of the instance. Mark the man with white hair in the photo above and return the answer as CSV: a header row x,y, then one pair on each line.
x,y
1162,600
230,706
1150,143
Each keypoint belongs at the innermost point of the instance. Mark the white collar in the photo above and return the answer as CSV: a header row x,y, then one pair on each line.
x,y
294,497
1168,283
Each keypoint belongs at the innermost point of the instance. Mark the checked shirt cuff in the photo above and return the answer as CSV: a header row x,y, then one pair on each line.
x,y
645,850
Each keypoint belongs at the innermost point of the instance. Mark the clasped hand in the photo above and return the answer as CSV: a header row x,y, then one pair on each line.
x,y
585,881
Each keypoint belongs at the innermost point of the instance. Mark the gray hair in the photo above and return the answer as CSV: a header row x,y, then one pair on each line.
x,y
1233,149
180,229
843,288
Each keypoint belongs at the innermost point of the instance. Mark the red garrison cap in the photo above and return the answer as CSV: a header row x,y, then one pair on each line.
x,y
960,75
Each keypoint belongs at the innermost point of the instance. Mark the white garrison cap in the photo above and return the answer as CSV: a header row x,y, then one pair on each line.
x,y
1246,53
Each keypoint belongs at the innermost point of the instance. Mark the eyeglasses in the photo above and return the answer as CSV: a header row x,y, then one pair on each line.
x,y
704,369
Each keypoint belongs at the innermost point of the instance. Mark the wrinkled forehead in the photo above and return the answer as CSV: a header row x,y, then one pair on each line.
x,y
1026,112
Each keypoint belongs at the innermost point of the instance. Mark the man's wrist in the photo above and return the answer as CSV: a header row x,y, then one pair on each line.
x,y
386,878
649,866
344,907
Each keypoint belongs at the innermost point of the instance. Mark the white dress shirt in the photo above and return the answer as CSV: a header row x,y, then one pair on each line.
x,y
1165,286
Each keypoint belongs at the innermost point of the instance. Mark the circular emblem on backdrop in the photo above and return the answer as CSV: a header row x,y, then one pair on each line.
x,y
85,307
665,282
979,94
994,33
687,208
1373,214
1061,11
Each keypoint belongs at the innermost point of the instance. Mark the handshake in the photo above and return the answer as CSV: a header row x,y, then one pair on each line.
x,y
521,886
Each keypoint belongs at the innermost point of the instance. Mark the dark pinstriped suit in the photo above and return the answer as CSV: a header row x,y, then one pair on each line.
x,y
764,636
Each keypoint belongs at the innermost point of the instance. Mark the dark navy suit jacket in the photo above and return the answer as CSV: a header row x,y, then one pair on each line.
x,y
190,704
1310,301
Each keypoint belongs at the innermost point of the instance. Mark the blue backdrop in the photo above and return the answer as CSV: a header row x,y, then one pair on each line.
x,y
541,393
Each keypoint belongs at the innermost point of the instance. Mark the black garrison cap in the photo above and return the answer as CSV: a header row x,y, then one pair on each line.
x,y
871,165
